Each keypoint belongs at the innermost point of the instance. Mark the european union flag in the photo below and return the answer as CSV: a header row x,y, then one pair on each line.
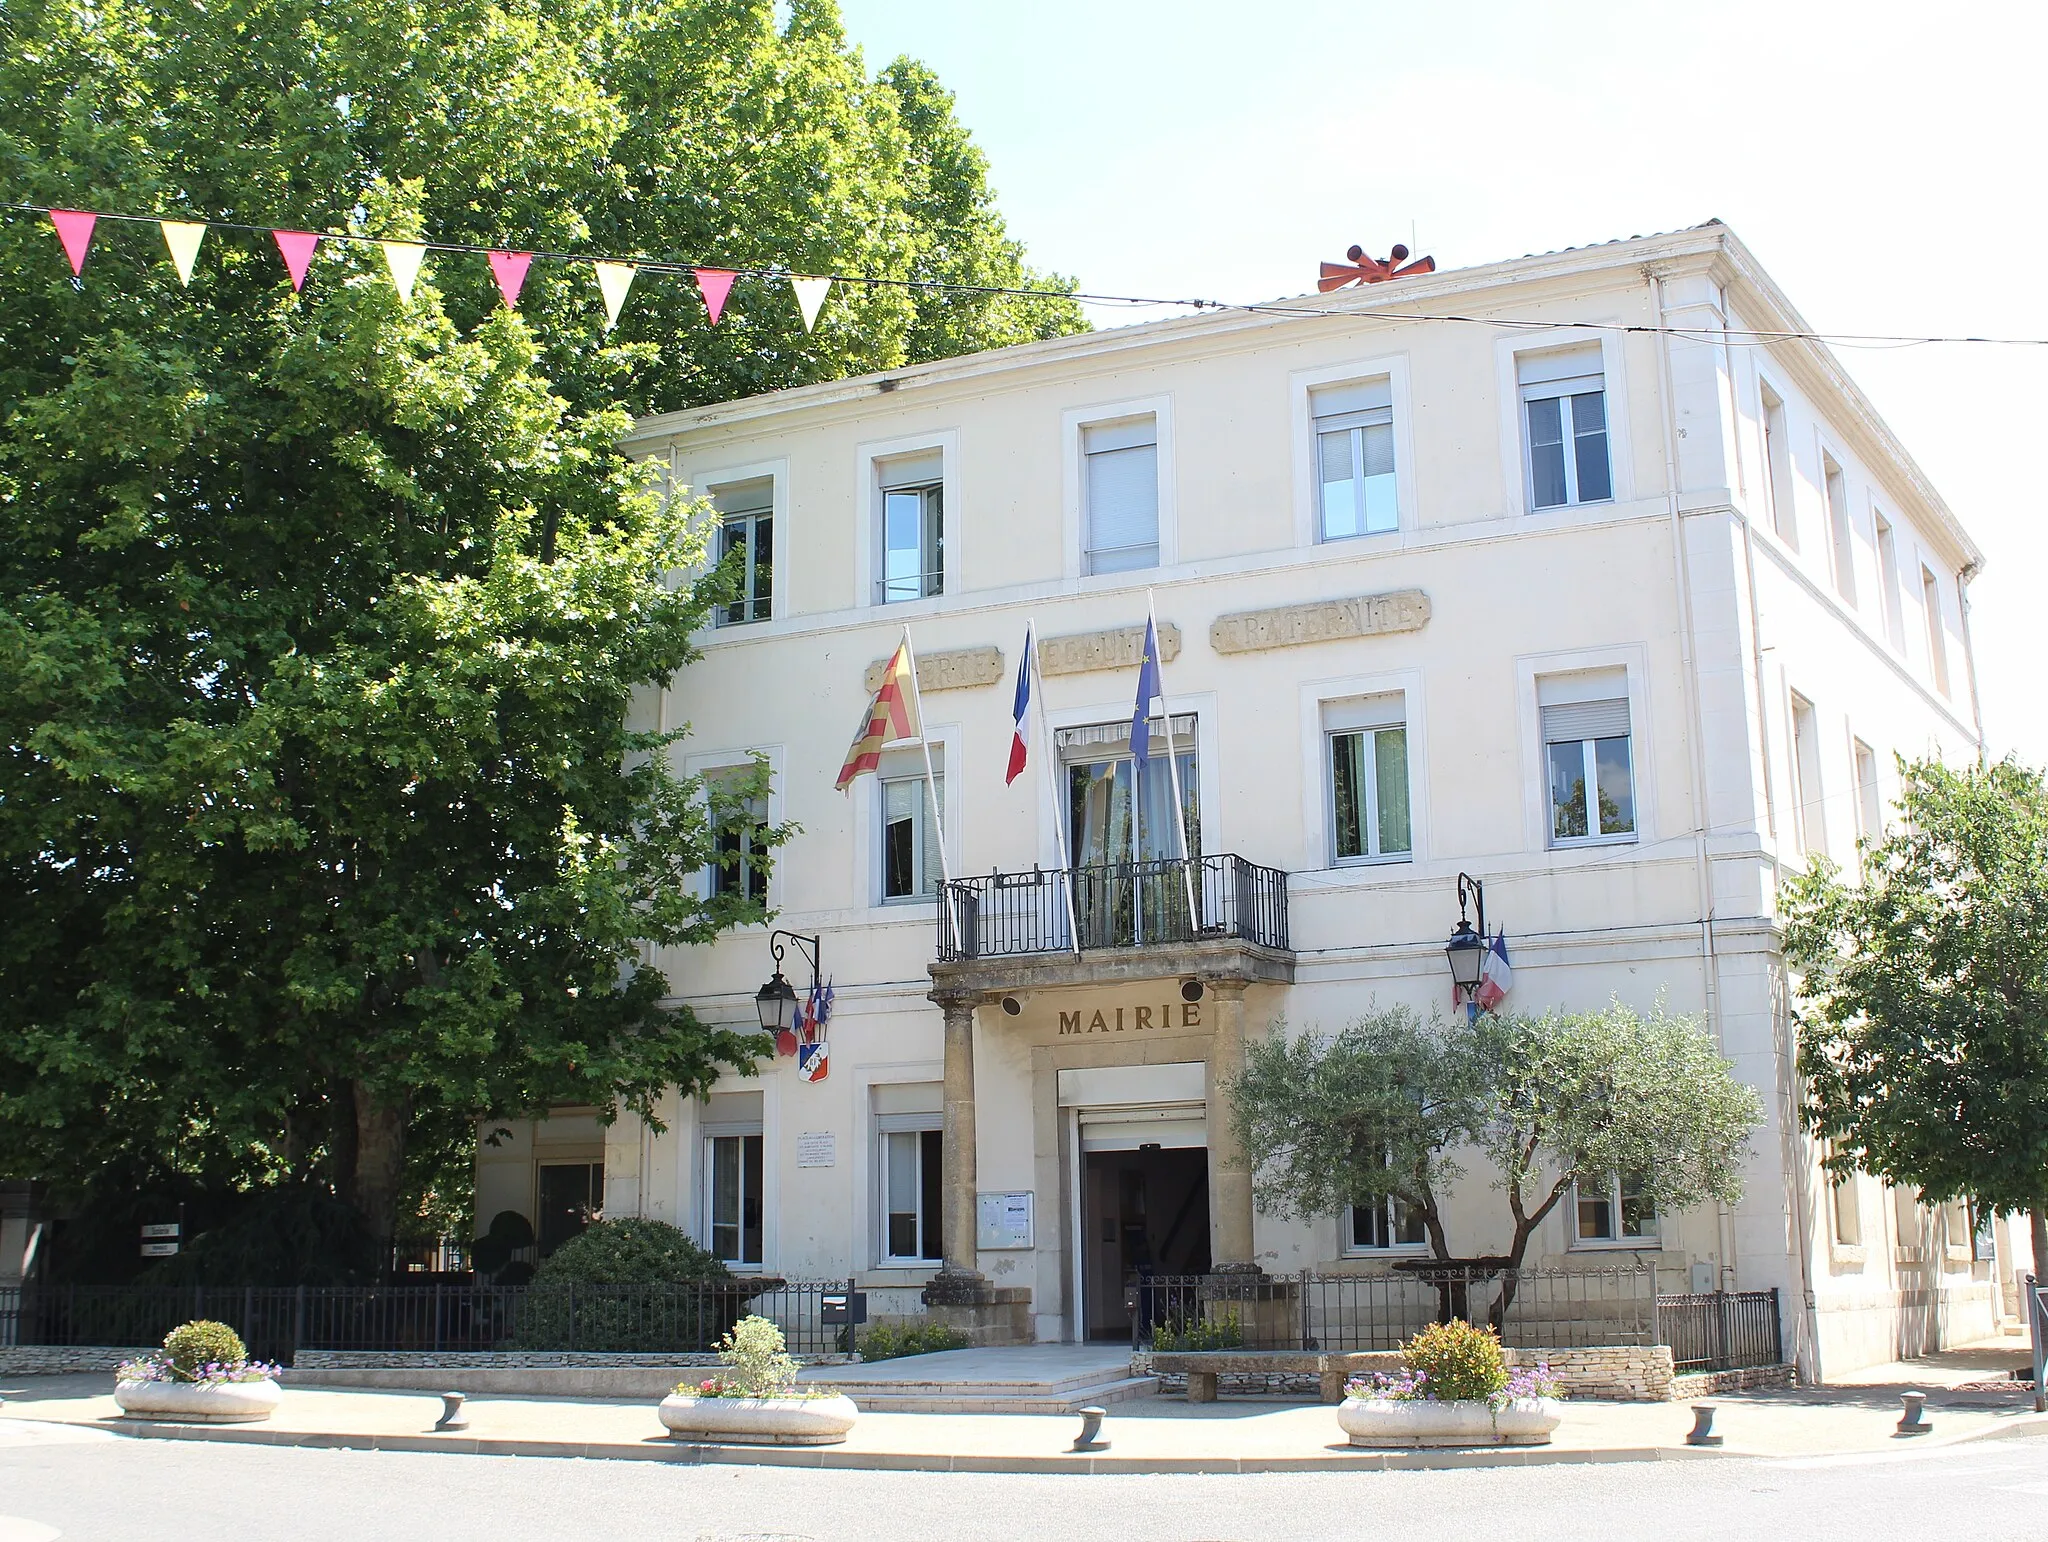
x,y
1148,692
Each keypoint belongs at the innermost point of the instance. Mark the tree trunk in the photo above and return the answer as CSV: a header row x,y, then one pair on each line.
x,y
2037,1230
380,1163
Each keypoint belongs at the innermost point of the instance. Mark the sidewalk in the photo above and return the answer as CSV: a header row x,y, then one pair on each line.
x,y
1161,1434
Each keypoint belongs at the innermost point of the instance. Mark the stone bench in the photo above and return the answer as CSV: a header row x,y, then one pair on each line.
x,y
1203,1366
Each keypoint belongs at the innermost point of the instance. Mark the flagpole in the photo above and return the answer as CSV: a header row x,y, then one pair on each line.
x,y
1180,818
1065,870
931,781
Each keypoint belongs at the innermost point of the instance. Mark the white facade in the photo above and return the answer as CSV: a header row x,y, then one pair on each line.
x,y
1746,580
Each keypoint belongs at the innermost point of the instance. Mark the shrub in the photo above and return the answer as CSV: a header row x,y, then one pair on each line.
x,y
885,1341
1457,1361
196,1345
613,1288
755,1366
1181,1333
629,1252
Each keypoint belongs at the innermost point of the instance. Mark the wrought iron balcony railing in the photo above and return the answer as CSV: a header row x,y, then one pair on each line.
x,y
1118,905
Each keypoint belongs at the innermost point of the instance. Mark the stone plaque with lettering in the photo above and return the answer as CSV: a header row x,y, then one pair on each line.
x,y
955,671
1081,653
1289,626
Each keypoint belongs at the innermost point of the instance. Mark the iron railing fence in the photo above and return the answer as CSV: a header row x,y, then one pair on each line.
x,y
1721,1330
1532,1308
276,1322
1117,905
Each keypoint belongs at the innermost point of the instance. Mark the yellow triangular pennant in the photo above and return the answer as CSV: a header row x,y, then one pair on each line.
x,y
614,278
403,258
183,238
810,294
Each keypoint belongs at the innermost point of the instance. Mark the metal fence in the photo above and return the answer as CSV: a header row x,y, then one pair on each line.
x,y
1532,1308
1117,905
276,1322
1721,1330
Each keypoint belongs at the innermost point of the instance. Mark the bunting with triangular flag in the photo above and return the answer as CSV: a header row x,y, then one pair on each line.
x,y
714,284
810,294
613,280
509,268
183,238
296,247
403,258
74,229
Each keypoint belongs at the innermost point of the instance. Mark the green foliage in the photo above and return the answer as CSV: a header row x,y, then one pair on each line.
x,y
629,1252
1194,1333
322,615
1457,1360
1367,1114
292,1234
509,1232
754,1361
195,1345
892,1341
1923,991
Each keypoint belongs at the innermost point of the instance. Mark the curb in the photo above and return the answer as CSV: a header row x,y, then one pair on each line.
x,y
683,1453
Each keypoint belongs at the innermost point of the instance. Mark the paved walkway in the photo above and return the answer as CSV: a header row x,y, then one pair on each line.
x,y
1162,1434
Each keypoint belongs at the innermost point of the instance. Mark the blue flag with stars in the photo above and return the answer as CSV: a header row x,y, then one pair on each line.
x,y
1148,692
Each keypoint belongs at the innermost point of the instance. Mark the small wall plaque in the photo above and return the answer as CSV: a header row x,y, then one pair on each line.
x,y
1002,1221
817,1148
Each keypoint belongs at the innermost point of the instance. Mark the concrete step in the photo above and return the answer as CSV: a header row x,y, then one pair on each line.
x,y
973,1398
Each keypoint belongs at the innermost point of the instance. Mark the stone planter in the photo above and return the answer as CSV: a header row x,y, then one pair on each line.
x,y
1382,1422
212,1402
759,1421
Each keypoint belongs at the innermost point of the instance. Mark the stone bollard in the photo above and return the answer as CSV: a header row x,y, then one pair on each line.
x,y
1915,1420
1703,1426
1091,1427
453,1415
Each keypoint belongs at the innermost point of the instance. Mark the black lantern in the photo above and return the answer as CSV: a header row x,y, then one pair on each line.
x,y
776,1001
1466,951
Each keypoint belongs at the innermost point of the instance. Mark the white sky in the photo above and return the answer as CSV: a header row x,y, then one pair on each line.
x,y
1884,161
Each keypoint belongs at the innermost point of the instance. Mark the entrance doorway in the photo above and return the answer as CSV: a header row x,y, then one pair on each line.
x,y
1144,1212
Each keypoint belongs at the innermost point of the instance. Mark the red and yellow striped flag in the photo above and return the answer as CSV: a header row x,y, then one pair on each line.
x,y
892,715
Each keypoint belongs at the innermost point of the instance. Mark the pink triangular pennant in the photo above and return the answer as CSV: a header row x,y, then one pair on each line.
x,y
74,229
714,284
296,247
510,269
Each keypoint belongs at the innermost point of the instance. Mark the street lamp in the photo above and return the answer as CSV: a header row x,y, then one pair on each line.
x,y
776,1001
1466,951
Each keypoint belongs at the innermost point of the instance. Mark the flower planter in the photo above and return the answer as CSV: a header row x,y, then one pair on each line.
x,y
1386,1422
759,1421
208,1402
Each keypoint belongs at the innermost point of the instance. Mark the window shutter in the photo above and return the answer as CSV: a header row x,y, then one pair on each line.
x,y
1355,396
1585,720
1123,497
745,497
1560,364
1123,434
1388,711
923,469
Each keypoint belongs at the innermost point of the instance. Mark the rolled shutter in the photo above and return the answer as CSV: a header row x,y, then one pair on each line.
x,y
1585,720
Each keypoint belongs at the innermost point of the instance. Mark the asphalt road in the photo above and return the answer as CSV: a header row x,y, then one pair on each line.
x,y
88,1486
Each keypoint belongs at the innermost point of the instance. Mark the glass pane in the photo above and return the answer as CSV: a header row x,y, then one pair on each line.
x,y
901,1178
1347,783
1340,489
902,545
750,1199
732,536
1390,764
1156,840
1408,1225
1617,791
934,558
899,853
1596,1216
1638,1215
1589,431
1546,452
762,590
1567,790
1369,1225
1100,812
1123,509
932,1148
928,845
725,1196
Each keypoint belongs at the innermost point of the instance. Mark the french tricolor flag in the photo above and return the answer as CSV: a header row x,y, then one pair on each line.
x,y
1019,747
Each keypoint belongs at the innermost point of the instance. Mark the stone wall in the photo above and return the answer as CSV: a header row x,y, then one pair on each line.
x,y
1711,1383
485,1359
1619,1372
62,1359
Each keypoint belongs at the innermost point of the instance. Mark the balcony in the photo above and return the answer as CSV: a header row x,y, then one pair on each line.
x,y
1071,925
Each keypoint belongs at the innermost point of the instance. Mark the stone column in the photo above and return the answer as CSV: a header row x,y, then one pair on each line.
x,y
962,1261
1230,1178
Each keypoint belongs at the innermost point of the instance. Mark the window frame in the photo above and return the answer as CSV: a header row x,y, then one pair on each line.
x,y
1353,423
1369,815
925,859
1351,1247
540,1165
1074,477
1935,611
1775,442
1616,1199
1834,494
752,516
924,1126
1808,775
709,1136
1891,609
1302,385
708,763
1090,551
1510,350
1869,795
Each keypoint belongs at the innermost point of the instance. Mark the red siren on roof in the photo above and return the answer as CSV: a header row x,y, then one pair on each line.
x,y
1370,270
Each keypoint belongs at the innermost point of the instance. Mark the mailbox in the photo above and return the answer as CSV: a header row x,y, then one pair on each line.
x,y
843,1306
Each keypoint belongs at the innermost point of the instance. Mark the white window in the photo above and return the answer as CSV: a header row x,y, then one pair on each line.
x,y
1388,1225
1120,495
1778,466
1564,420
1841,538
746,527
1813,832
913,528
1937,632
1354,429
910,838
1869,804
1845,1200
740,862
1367,745
1614,1210
1587,759
913,1190
1888,582
733,1180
